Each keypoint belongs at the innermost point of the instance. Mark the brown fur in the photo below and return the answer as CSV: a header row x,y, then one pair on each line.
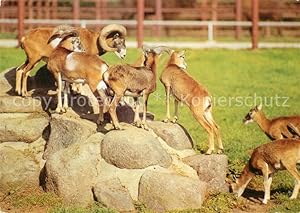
x,y
133,81
88,68
36,48
276,128
266,160
185,89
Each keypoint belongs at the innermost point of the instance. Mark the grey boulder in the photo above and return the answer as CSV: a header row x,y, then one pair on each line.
x,y
25,127
164,191
173,134
211,169
133,148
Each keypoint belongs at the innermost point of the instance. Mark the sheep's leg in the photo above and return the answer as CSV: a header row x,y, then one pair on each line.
x,y
24,84
267,186
59,107
145,103
294,172
101,97
198,114
26,72
137,119
112,110
66,91
19,74
208,116
176,111
167,104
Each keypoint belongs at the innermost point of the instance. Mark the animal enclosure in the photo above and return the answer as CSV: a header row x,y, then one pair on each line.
x,y
162,18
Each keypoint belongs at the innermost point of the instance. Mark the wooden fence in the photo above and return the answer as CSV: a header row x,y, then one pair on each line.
x,y
199,10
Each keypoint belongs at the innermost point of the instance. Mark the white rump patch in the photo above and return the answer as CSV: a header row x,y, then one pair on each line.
x,y
55,42
277,165
71,63
102,85
79,81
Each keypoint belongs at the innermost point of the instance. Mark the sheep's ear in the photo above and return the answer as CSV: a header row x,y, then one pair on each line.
x,y
259,107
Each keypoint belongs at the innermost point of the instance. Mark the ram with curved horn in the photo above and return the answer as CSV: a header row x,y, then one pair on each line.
x,y
70,64
35,44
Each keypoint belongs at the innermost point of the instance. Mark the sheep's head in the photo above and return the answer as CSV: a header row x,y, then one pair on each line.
x,y
178,58
252,114
151,53
112,39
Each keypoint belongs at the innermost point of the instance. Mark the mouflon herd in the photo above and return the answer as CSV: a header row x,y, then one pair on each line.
x,y
72,56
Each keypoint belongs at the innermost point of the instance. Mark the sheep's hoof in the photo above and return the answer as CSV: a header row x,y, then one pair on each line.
x,y
118,127
209,152
145,127
60,110
100,121
66,108
25,94
167,120
18,91
175,119
137,123
220,151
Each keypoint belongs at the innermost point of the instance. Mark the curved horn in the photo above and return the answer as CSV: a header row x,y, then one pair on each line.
x,y
62,29
160,49
63,36
106,31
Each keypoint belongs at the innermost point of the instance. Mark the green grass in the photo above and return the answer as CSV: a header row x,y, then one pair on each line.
x,y
230,76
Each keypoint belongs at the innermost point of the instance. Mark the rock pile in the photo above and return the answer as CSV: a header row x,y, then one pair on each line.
x,y
67,154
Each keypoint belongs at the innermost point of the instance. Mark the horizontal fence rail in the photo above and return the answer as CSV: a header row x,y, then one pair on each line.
x,y
153,22
167,23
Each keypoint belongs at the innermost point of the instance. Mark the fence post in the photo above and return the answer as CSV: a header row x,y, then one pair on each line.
x,y
140,22
158,16
30,11
76,9
103,9
255,20
210,31
21,14
48,8
54,9
238,17
214,14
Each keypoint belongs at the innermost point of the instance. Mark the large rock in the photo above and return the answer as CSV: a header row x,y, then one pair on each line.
x,y
25,127
67,129
17,104
173,134
113,195
133,148
211,169
163,192
34,149
71,172
17,169
129,178
7,82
